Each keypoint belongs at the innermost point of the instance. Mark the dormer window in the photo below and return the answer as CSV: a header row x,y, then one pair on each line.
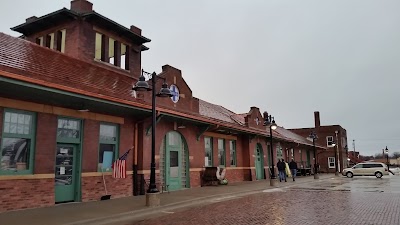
x,y
111,51
54,40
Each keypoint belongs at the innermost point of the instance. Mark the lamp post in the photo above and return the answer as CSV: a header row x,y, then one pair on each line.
x,y
337,168
270,121
142,85
387,157
314,137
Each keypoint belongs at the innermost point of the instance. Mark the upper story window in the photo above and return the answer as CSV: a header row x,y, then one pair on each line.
x,y
329,141
54,40
111,51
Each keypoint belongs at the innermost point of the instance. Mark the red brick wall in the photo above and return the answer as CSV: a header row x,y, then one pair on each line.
x,y
93,188
195,179
323,132
237,175
90,154
45,148
18,194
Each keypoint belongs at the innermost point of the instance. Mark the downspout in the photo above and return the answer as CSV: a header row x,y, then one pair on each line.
x,y
135,167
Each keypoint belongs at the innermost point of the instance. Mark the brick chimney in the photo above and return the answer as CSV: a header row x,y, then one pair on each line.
x,y
316,119
81,6
31,19
265,115
136,30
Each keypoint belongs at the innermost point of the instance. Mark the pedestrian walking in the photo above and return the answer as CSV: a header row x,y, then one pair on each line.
x,y
293,169
281,170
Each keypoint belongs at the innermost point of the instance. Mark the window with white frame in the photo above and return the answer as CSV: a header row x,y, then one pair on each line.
x,y
331,162
329,141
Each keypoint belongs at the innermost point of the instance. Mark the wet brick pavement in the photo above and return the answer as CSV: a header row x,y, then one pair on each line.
x,y
291,206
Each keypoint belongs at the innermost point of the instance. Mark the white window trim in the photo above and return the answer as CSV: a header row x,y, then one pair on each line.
x,y
329,163
327,137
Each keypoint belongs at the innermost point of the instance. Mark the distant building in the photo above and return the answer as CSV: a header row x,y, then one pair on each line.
x,y
335,156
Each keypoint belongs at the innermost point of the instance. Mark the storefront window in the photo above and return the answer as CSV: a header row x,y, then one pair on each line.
x,y
232,146
208,151
17,142
221,152
108,152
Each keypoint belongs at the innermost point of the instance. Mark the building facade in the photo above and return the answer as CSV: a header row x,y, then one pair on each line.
x,y
334,138
67,112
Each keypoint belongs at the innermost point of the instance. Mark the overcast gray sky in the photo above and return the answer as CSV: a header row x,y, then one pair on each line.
x,y
289,58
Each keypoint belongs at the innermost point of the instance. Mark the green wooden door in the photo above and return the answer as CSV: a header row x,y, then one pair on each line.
x,y
259,163
65,173
308,159
173,162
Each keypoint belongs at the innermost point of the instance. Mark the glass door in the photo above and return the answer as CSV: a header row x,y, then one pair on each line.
x,y
64,173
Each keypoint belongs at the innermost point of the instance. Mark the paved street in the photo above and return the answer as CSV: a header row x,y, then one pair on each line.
x,y
361,200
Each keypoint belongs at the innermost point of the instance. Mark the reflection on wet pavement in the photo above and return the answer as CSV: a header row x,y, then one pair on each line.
x,y
361,200
389,184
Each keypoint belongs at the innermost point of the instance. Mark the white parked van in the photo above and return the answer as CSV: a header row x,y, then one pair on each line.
x,y
367,169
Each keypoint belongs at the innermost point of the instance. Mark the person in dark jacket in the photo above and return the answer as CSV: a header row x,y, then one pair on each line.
x,y
281,169
293,168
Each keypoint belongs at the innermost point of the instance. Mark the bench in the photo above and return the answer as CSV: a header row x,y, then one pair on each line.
x,y
209,177
163,186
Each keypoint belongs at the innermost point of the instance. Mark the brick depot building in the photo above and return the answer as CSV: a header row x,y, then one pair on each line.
x,y
67,110
334,137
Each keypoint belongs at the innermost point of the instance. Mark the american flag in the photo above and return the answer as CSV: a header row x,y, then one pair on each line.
x,y
119,166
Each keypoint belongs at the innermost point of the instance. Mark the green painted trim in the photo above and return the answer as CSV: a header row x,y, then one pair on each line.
x,y
202,130
31,136
26,84
77,142
148,129
78,187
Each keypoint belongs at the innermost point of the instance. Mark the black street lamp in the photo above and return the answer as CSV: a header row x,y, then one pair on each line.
x,y
314,137
387,157
142,85
270,121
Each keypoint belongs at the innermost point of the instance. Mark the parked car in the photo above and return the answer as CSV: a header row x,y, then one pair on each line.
x,y
366,169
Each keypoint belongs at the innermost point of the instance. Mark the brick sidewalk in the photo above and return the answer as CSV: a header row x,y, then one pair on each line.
x,y
99,212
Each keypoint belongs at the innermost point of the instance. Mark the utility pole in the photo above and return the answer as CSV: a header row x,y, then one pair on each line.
x,y
354,149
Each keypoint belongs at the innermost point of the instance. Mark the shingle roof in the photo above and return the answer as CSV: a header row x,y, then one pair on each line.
x,y
208,109
218,112
31,60
294,137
